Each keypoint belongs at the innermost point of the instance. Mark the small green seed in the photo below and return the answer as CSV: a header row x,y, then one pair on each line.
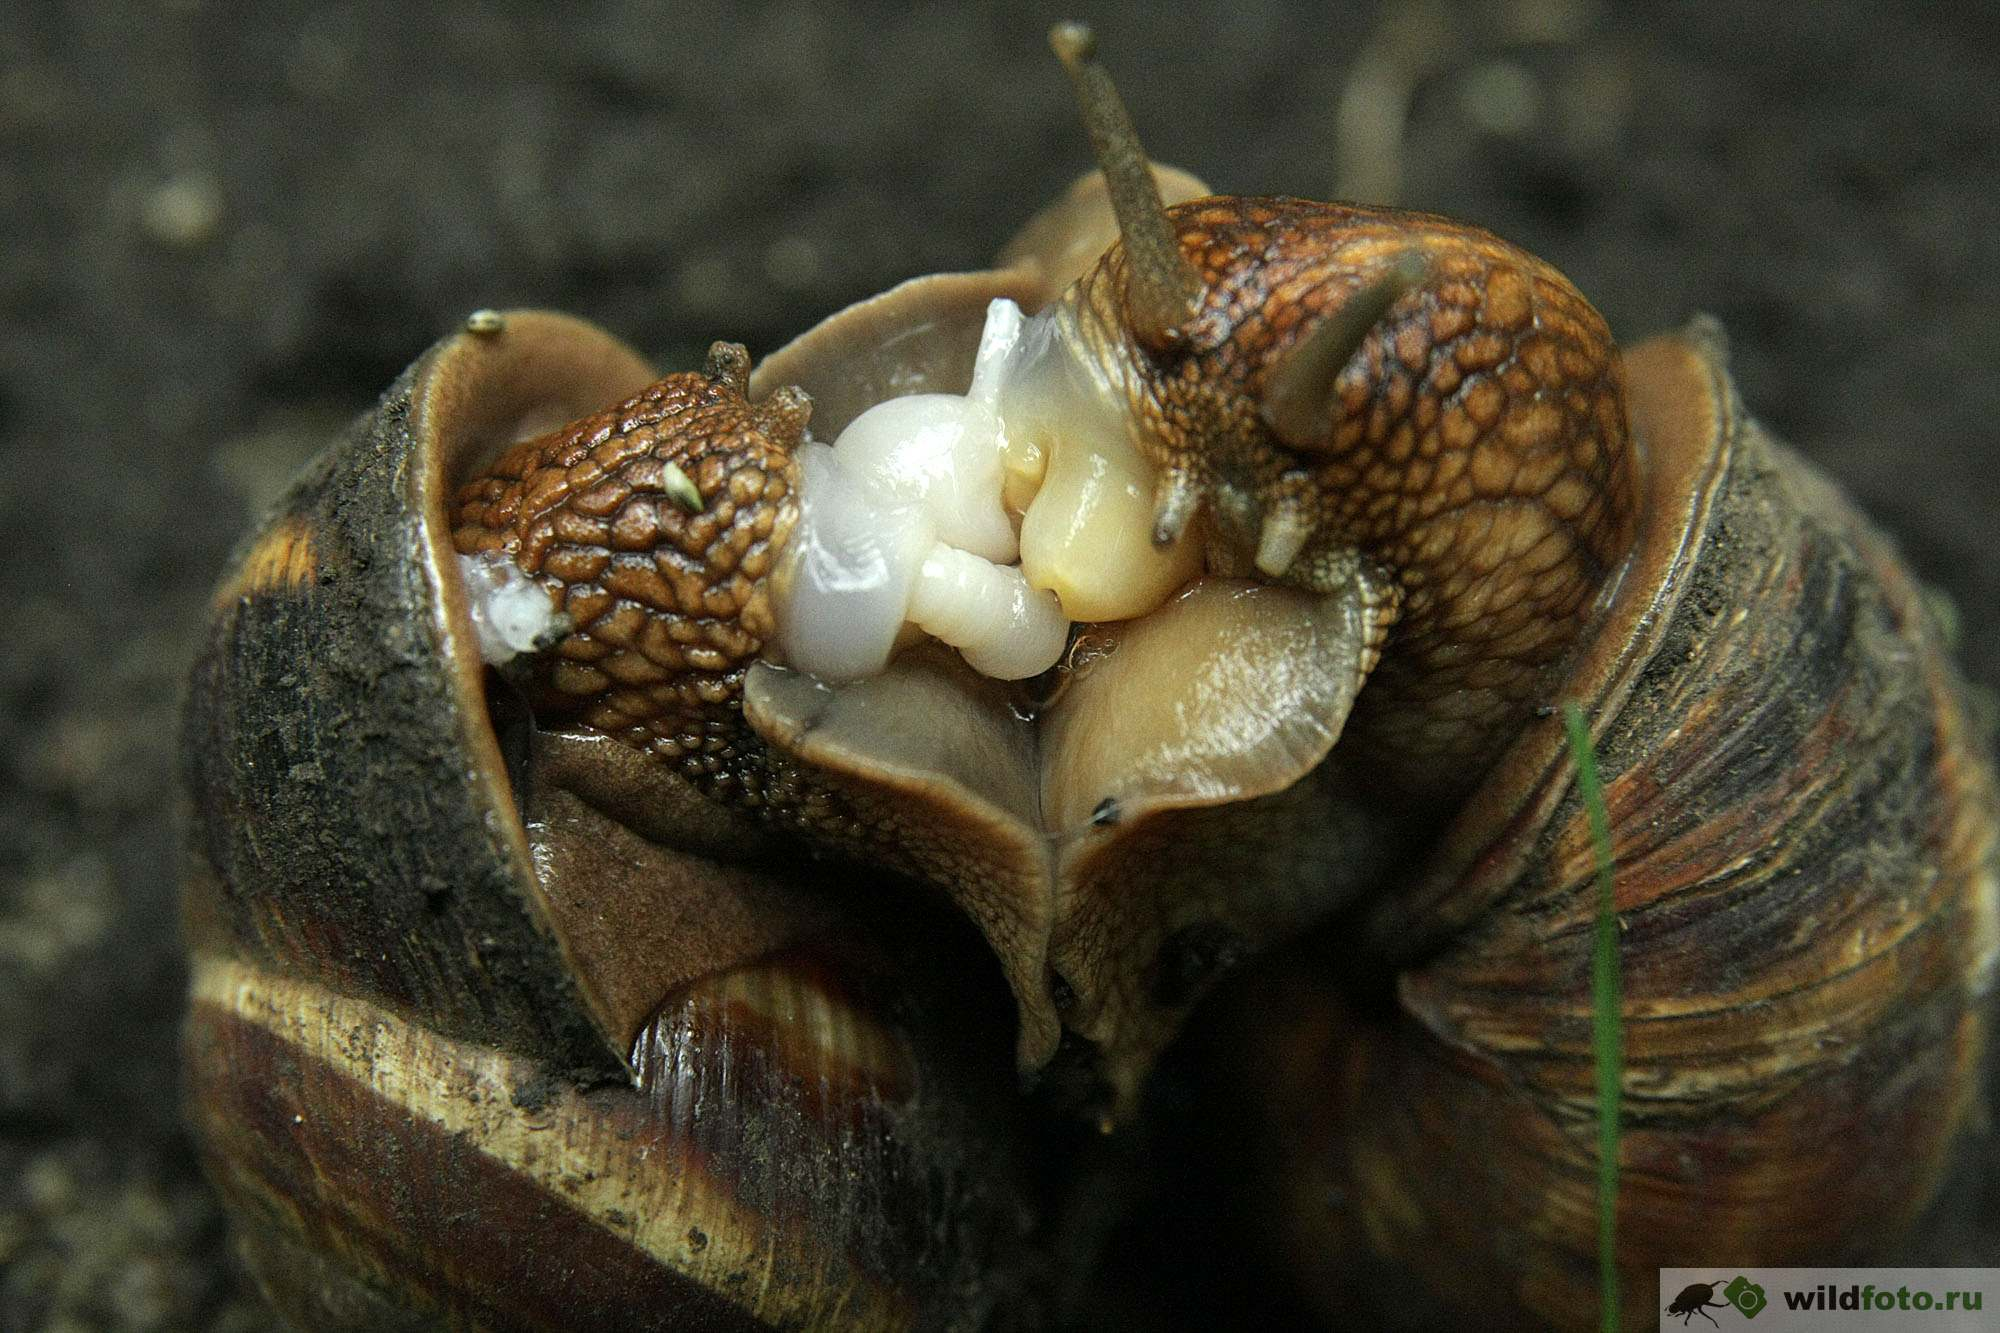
x,y
681,490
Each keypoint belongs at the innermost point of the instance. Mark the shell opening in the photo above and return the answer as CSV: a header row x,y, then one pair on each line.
x,y
990,520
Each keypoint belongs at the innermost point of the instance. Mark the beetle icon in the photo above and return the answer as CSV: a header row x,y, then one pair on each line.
x,y
1694,1300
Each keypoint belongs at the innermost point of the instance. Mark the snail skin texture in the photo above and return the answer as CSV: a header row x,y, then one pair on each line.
x,y
714,849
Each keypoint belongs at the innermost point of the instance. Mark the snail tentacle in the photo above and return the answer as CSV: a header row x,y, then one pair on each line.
x,y
1300,395
1163,290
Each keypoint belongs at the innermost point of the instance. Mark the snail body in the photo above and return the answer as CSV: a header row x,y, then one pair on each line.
x,y
1317,510
1807,942
495,1055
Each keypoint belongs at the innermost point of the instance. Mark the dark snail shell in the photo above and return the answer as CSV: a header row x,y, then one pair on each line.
x,y
468,1035
1803,824
464,984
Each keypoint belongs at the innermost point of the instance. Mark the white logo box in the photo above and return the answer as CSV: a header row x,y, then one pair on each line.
x,y
1832,1299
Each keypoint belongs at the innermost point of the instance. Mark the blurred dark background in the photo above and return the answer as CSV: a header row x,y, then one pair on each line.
x,y
225,227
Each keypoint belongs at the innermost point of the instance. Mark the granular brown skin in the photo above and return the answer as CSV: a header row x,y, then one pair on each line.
x,y
1475,455
669,607
1476,451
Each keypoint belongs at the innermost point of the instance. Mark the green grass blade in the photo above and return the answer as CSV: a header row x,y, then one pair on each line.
x,y
1607,1025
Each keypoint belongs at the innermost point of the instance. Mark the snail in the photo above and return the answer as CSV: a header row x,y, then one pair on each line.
x,y
647,829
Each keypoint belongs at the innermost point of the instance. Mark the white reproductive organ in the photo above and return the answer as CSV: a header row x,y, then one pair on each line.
x,y
989,521
511,613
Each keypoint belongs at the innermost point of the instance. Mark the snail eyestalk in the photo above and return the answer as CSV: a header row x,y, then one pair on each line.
x,y
1163,290
1299,398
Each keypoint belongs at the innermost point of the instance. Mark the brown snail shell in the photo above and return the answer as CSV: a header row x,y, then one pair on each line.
x,y
481,1046
1804,830
1803,820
